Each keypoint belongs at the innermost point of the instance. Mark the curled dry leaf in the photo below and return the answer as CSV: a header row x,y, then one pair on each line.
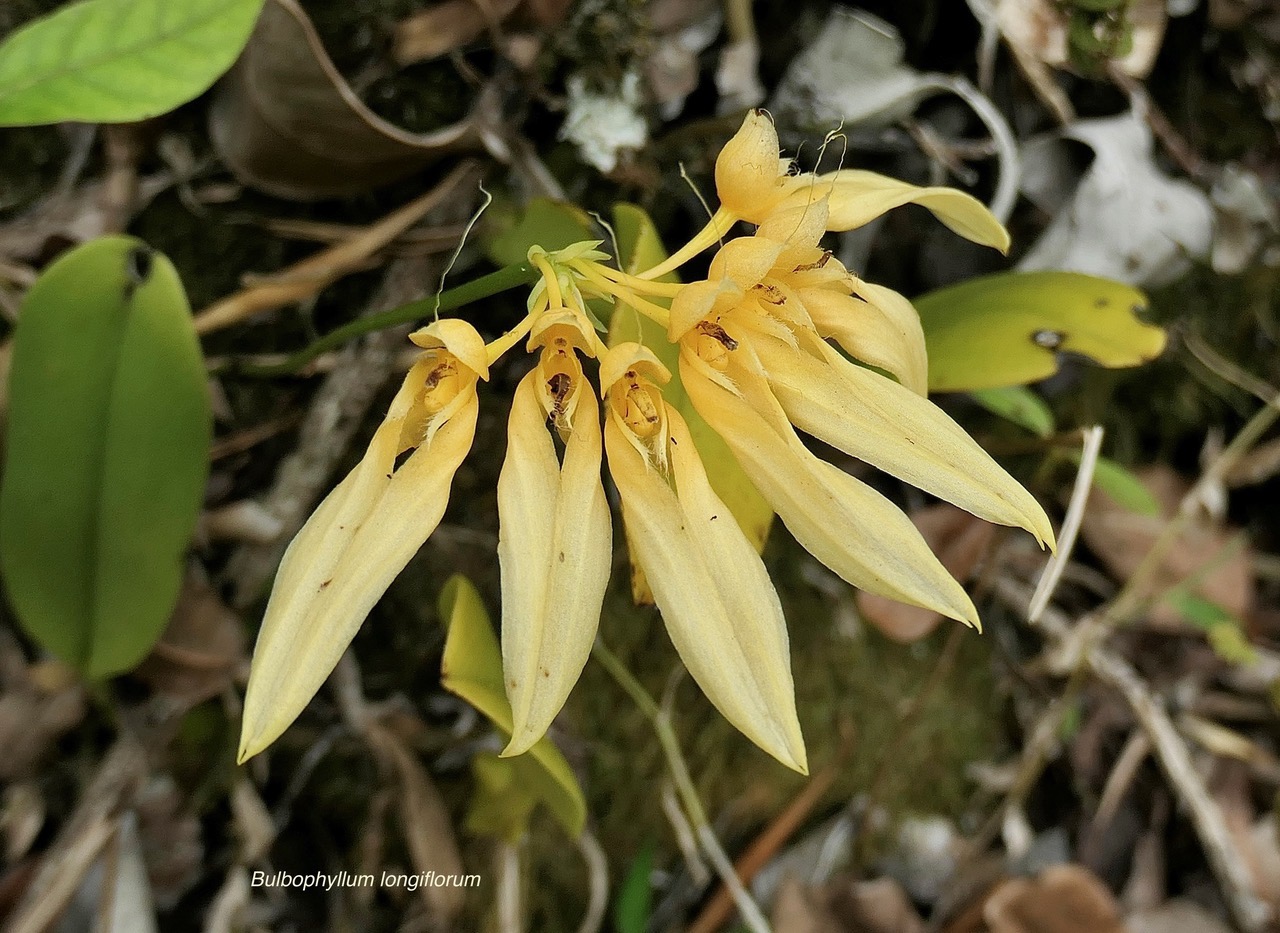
x,y
286,122
1062,899
1125,218
425,822
960,540
799,908
1212,555
35,710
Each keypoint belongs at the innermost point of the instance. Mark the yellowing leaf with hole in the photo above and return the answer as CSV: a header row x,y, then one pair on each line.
x,y
1009,328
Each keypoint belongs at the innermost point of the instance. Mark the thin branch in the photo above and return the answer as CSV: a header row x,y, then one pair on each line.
x,y
750,912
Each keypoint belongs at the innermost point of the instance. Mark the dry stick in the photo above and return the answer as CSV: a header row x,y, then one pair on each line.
x,y
1091,630
89,828
780,829
1071,524
306,278
597,882
711,848
1175,760
1123,772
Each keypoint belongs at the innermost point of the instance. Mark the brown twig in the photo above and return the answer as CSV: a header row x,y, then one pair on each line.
x,y
781,828
307,278
1178,148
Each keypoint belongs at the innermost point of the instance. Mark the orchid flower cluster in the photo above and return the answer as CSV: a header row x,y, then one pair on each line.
x,y
760,355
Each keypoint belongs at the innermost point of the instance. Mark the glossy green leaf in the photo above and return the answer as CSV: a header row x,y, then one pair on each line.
x,y
472,669
632,909
115,61
1008,329
1120,483
641,248
1019,405
107,454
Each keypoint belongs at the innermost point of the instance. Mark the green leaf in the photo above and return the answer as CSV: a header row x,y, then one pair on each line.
x,y
634,905
107,454
1019,405
472,669
641,248
1122,485
1223,631
1008,329
550,224
115,61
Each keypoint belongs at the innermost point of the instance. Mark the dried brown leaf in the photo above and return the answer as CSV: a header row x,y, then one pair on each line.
x,y
799,908
1062,899
425,822
1176,916
286,122
446,27
1209,553
35,710
201,648
877,906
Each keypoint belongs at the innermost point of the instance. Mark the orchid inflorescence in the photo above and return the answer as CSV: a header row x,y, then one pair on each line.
x,y
757,361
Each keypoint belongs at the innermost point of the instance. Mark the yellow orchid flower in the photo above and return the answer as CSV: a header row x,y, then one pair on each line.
x,y
555,545
365,531
716,598
753,181
755,360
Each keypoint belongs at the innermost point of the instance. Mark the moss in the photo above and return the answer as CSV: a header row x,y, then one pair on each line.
x,y
865,681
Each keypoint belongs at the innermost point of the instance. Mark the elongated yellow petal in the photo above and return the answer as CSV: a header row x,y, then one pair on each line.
x,y
882,329
343,560
554,550
714,593
874,419
856,197
842,522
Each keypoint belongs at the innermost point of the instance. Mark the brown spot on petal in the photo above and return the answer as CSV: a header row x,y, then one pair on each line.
x,y
816,264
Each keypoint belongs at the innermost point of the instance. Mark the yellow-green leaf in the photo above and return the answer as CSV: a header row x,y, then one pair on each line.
x,y
1008,329
1224,632
472,669
543,222
106,456
641,248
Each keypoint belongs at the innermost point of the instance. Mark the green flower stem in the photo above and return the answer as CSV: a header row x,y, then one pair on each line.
x,y
747,908
504,279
